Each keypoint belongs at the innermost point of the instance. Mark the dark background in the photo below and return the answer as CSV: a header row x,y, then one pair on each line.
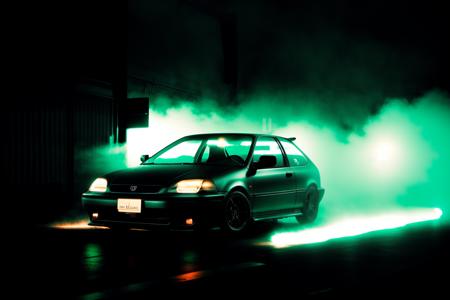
x,y
70,67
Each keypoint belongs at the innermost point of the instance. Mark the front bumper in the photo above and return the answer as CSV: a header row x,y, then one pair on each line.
x,y
158,210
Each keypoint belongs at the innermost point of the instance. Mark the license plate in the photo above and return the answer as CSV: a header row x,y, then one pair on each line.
x,y
129,205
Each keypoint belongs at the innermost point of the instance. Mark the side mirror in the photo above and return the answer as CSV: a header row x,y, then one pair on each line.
x,y
266,161
144,157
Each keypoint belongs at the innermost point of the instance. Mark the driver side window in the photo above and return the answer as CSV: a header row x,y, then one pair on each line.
x,y
268,146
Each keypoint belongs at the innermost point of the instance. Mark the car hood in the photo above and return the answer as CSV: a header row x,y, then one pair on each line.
x,y
166,174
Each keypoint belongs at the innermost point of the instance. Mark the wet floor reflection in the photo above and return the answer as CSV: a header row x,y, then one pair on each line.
x,y
92,260
99,263
190,260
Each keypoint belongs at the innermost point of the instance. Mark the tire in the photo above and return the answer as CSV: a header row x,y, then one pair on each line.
x,y
236,212
311,207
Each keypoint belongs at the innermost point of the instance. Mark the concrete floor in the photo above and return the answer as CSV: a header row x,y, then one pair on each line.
x,y
99,264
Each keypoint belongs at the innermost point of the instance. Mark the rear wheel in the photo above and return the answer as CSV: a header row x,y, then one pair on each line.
x,y
311,207
237,212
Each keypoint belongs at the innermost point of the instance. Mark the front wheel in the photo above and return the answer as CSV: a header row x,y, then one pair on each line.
x,y
311,207
237,212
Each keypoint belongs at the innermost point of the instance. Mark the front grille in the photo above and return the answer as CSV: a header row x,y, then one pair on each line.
x,y
135,188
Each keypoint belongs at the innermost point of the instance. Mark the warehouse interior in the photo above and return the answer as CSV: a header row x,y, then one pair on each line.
x,y
85,82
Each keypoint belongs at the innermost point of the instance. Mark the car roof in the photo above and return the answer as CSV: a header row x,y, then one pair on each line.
x,y
205,135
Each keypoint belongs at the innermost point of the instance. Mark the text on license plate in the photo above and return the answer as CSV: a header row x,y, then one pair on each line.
x,y
129,205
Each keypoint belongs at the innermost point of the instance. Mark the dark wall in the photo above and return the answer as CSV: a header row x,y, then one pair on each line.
x,y
40,146
181,45
67,72
65,61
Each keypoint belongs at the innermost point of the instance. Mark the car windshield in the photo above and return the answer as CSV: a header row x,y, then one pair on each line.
x,y
219,150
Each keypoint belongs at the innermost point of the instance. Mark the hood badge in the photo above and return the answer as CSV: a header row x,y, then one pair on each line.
x,y
133,188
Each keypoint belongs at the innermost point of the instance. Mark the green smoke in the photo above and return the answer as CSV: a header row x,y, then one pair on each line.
x,y
400,159
396,159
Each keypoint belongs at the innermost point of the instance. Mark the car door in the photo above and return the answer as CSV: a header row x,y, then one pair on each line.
x,y
273,188
299,165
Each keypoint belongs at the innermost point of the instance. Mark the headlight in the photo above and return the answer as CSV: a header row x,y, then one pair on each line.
x,y
99,185
192,186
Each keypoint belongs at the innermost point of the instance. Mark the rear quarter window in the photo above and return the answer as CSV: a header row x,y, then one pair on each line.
x,y
294,155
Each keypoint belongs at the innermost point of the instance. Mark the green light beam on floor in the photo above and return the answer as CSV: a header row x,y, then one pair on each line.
x,y
354,226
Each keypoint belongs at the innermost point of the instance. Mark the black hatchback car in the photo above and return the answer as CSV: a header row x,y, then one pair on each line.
x,y
206,180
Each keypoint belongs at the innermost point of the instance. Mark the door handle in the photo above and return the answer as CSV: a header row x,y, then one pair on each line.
x,y
289,174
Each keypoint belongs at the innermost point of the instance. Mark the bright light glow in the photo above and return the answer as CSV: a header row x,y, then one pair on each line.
x,y
192,186
354,226
385,153
189,221
82,224
190,276
174,123
189,186
99,185
208,185
220,142
94,216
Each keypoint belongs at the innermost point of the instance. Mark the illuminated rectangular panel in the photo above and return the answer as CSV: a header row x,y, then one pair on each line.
x,y
129,205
